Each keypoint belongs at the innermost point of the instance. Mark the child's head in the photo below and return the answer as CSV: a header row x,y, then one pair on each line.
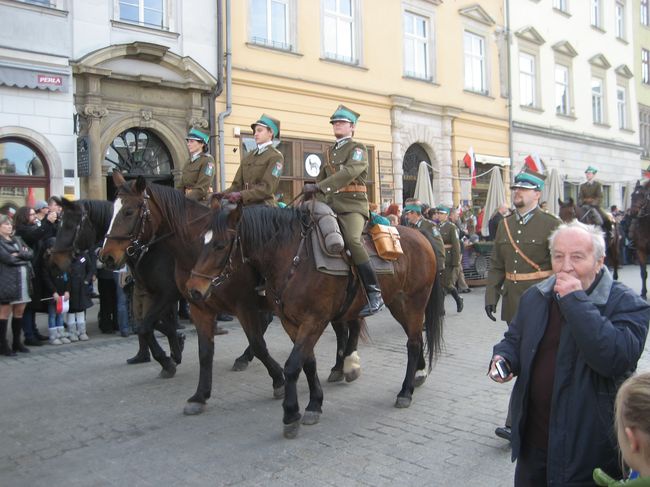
x,y
633,422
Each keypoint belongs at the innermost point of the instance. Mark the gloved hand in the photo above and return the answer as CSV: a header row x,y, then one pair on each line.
x,y
310,188
490,309
217,196
234,197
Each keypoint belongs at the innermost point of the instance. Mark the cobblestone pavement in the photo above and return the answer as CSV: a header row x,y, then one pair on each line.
x,y
77,415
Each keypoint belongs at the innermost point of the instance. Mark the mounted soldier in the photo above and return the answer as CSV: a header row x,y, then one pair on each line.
x,y
590,198
341,184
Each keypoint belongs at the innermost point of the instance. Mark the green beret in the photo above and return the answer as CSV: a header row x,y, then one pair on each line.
x,y
413,208
270,123
344,114
591,169
196,134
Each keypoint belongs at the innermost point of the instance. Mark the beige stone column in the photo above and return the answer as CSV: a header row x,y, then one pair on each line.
x,y
94,115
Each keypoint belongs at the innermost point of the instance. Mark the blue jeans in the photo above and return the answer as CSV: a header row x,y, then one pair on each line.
x,y
29,323
54,319
122,306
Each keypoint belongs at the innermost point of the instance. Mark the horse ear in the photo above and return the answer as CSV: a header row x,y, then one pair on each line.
x,y
140,184
570,200
67,204
234,215
560,202
118,179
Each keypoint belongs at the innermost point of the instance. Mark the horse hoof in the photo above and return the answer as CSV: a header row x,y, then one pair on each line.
x,y
352,375
193,408
335,376
240,365
291,430
278,392
403,402
310,417
168,372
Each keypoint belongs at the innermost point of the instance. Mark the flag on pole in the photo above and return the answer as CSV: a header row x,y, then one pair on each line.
x,y
534,162
470,163
30,199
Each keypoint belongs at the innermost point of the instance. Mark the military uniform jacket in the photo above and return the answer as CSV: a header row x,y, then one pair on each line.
x,y
348,164
197,177
449,233
258,176
591,193
431,232
531,235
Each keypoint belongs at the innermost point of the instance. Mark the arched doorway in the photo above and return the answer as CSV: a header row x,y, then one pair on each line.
x,y
24,173
139,152
414,155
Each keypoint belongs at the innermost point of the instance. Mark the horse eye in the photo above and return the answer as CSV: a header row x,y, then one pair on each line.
x,y
128,212
219,245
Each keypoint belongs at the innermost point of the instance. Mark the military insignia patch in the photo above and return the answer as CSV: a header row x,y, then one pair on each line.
x,y
357,155
209,169
277,170
436,232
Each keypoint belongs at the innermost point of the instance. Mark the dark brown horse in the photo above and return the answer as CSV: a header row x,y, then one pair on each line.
x,y
570,211
640,229
275,242
152,215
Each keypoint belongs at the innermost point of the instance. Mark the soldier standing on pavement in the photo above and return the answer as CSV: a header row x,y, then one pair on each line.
x,y
413,214
258,176
449,233
198,173
521,256
341,184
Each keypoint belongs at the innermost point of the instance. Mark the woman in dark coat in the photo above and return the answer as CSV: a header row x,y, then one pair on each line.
x,y
81,274
15,273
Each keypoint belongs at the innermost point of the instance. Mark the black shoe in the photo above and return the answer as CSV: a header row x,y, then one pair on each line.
x,y
504,432
19,347
224,317
138,359
33,342
459,305
465,291
41,338
8,352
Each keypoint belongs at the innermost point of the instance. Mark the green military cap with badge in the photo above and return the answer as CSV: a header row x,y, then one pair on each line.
x,y
443,209
413,208
196,134
273,124
344,114
591,169
529,179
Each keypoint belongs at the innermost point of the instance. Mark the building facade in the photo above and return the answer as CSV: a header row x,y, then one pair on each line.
x,y
574,91
641,46
91,86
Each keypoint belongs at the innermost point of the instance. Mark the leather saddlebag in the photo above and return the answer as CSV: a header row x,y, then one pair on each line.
x,y
386,239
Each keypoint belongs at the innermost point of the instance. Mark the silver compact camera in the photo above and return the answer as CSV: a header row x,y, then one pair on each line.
x,y
502,367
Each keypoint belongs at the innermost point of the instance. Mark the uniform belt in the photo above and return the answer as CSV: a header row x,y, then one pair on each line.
x,y
448,246
353,188
528,276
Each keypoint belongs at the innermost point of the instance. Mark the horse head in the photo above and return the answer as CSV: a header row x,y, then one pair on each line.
x,y
640,200
74,235
133,224
568,210
215,262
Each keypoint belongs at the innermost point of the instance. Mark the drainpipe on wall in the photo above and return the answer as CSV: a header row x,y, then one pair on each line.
x,y
224,114
508,68
219,86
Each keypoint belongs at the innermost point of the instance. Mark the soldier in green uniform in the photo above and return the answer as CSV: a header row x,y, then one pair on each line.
x,y
591,196
521,256
258,176
198,173
413,214
449,234
341,184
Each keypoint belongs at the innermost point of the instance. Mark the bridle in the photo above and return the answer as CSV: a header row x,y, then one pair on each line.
x,y
226,263
74,248
643,209
137,248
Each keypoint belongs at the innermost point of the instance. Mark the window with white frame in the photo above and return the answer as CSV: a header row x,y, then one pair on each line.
x,y
620,19
44,3
645,66
595,13
597,100
150,13
475,63
621,106
339,30
562,100
560,5
417,39
270,23
527,80
645,13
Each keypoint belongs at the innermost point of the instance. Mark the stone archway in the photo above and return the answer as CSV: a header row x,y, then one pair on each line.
x,y
410,165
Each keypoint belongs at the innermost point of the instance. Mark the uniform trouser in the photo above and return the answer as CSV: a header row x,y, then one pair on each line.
x,y
449,277
351,227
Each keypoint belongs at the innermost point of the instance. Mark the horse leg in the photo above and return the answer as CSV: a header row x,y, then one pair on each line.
x,y
203,320
644,274
342,333
241,362
352,362
151,318
167,325
421,372
414,350
314,408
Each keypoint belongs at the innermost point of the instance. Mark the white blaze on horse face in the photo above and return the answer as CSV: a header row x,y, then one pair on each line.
x,y
207,238
117,206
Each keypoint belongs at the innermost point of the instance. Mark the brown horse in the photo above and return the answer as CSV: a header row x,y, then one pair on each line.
x,y
640,229
275,242
150,215
570,211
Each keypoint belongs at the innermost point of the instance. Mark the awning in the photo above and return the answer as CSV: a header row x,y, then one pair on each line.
x,y
34,77
498,160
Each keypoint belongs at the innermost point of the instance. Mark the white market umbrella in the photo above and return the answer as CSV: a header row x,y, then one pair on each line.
x,y
496,196
553,189
423,187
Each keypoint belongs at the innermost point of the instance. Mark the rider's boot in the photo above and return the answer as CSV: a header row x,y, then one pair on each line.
x,y
458,299
373,291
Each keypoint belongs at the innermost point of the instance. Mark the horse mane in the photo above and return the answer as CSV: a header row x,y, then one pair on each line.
x,y
100,213
261,226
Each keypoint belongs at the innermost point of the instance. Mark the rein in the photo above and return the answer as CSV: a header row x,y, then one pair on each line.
x,y
226,263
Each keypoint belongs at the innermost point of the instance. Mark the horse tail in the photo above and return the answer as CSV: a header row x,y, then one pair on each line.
x,y
434,315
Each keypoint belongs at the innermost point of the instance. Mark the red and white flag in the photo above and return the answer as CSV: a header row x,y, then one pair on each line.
x,y
534,162
470,162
